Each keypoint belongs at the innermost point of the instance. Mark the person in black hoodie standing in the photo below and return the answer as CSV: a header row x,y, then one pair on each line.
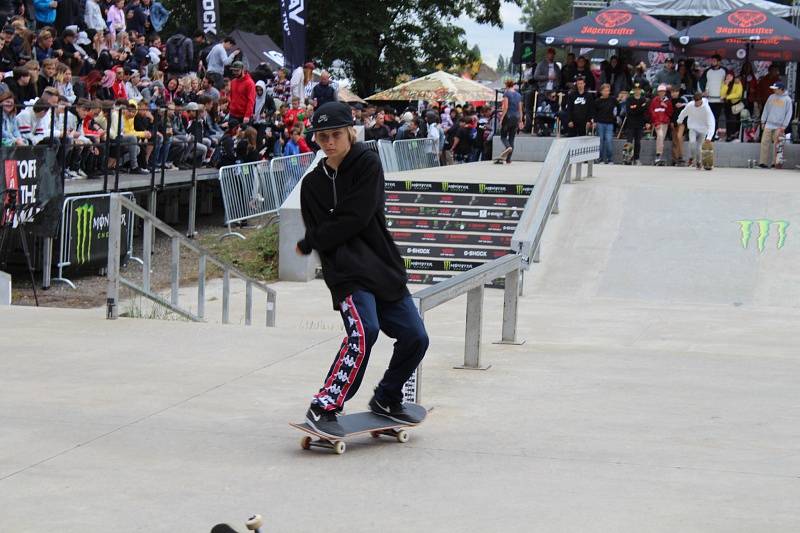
x,y
342,204
579,109
636,106
604,114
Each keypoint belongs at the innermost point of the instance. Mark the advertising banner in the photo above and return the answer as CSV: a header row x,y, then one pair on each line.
x,y
88,236
293,18
208,16
31,189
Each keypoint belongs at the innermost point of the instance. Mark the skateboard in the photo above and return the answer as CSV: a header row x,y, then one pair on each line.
x,y
253,523
779,151
359,424
627,153
500,159
707,154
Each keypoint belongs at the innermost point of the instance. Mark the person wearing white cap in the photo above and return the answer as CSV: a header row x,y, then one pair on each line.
x,y
660,112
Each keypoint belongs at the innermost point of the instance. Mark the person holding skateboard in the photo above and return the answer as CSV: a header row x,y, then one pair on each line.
x,y
700,120
342,204
775,118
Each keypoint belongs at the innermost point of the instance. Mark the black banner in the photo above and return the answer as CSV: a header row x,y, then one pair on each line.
x,y
449,252
451,212
31,190
451,225
208,16
439,265
451,238
88,238
470,188
455,199
293,18
429,279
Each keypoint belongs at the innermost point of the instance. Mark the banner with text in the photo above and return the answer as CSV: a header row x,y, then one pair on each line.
x,y
293,17
208,16
31,189
88,236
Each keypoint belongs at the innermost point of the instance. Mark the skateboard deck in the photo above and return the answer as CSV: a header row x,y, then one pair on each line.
x,y
500,159
707,155
254,523
359,424
627,153
779,151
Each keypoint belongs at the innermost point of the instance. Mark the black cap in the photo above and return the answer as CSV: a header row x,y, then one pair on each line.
x,y
232,123
330,116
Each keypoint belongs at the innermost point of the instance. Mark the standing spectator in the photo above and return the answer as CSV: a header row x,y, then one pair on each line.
x,y
667,75
462,141
11,134
93,17
220,56
158,15
636,111
379,130
180,54
44,12
764,87
243,93
732,93
700,120
294,115
548,73
323,92
300,78
579,109
749,84
118,87
640,77
660,111
434,133
280,87
775,119
616,75
511,119
136,17
199,43
711,85
604,115
676,130
568,72
115,17
583,68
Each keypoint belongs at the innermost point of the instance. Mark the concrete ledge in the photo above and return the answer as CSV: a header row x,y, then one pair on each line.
x,y
5,288
530,148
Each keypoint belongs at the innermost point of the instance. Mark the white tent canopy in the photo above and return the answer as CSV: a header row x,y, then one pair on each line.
x,y
703,8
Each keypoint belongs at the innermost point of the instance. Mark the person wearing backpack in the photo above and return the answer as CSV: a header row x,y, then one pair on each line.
x,y
179,54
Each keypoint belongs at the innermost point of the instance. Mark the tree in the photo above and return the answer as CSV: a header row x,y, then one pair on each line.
x,y
543,15
377,41
501,64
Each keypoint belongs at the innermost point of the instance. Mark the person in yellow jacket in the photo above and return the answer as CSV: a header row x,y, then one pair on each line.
x,y
125,149
732,94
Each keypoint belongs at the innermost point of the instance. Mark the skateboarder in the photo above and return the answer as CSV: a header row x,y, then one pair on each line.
x,y
775,119
635,117
700,121
660,111
342,203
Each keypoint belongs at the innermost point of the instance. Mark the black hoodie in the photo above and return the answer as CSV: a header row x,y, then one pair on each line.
x,y
345,223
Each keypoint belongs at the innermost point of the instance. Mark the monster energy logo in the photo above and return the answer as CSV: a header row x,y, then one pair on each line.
x,y
407,262
408,185
85,219
763,225
482,188
445,186
520,189
447,263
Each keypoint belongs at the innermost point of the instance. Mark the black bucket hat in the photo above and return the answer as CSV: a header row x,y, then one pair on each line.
x,y
330,116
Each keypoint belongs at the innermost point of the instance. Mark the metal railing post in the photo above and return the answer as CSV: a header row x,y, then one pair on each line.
x,y
114,247
226,296
147,253
201,287
175,259
555,205
191,232
271,309
568,178
578,172
535,258
511,294
248,303
47,262
590,169
472,338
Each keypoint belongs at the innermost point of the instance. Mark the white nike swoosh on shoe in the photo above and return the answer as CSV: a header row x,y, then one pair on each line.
x,y
316,417
382,407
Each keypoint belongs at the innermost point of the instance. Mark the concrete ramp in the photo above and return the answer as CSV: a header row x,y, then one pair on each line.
x,y
669,235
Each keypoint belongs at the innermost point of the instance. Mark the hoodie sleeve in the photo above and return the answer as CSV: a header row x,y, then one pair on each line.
x,y
353,212
710,122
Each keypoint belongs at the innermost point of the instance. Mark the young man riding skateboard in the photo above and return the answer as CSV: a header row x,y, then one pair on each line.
x,y
342,203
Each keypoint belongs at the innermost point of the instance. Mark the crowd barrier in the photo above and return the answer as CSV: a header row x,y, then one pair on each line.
x,y
410,154
256,189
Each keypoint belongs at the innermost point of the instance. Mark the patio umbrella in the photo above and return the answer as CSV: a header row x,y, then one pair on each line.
x,y
739,33
617,26
437,86
349,97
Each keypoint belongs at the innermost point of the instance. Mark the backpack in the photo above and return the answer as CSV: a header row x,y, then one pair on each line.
x,y
175,57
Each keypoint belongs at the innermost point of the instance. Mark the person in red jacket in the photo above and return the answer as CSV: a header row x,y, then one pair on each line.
x,y
660,113
242,95
118,88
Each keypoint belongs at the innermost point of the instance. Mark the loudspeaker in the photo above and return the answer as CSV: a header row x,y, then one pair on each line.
x,y
524,47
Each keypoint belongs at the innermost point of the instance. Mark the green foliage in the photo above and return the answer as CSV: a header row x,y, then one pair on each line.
x,y
256,256
378,41
543,15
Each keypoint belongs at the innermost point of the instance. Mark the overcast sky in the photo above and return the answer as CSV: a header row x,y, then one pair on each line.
x,y
492,41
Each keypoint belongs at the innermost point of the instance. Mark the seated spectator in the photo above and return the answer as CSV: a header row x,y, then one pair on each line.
x,y
126,146
137,123
63,82
93,17
66,51
184,147
132,86
7,58
296,144
47,77
20,85
44,46
11,134
34,123
118,87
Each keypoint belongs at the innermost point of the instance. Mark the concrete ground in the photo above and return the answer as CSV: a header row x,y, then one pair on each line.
x,y
656,391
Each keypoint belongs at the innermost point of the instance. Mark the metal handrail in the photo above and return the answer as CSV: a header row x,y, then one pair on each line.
x,y
556,170
151,223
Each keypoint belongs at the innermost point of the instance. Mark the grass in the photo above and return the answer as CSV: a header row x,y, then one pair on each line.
x,y
256,256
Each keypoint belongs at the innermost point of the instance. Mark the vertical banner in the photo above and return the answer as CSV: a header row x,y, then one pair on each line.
x,y
89,226
208,16
293,15
31,189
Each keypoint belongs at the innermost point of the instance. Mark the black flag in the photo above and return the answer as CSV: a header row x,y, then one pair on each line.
x,y
293,13
208,16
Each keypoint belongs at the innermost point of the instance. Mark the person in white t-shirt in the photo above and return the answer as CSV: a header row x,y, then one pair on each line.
x,y
711,85
700,121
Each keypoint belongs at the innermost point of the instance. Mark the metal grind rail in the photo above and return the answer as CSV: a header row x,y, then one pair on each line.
x,y
556,170
117,203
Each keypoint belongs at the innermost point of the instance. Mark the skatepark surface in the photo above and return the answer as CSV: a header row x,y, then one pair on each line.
x,y
656,391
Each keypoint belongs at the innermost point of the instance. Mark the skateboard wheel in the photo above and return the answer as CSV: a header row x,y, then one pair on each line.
x,y
374,434
305,443
254,522
339,447
402,436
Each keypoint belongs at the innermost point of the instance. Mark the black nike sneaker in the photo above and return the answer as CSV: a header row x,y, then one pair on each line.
x,y
394,411
323,421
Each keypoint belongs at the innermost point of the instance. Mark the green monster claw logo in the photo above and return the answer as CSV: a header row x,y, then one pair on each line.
x,y
520,189
482,188
85,219
445,186
763,224
408,185
447,264
407,262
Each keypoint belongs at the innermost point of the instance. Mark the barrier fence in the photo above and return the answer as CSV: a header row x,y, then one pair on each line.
x,y
414,154
251,190
84,233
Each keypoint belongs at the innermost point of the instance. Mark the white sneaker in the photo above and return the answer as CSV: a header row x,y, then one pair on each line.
x,y
82,174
